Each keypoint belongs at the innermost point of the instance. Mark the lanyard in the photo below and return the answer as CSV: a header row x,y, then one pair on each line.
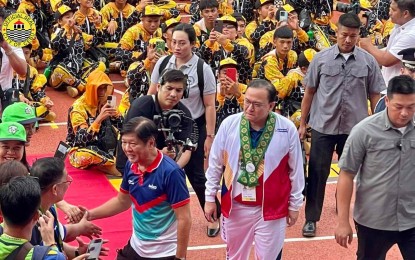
x,y
251,157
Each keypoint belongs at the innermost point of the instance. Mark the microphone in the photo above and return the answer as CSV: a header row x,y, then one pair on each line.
x,y
342,65
399,145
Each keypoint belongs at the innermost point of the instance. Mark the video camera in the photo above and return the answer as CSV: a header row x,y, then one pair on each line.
x,y
170,122
354,7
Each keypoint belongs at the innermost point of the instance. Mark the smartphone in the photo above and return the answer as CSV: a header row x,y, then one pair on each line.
x,y
94,248
231,73
62,150
283,16
218,26
160,47
112,100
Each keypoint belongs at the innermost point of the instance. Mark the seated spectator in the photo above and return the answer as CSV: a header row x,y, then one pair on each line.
x,y
291,101
19,203
221,45
32,89
209,10
69,67
89,21
54,181
133,44
264,22
91,123
230,94
276,64
12,141
120,15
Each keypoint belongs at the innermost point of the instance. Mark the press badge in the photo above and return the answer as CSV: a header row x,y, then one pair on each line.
x,y
249,194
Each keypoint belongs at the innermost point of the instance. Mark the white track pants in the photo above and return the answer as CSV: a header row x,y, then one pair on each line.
x,y
244,226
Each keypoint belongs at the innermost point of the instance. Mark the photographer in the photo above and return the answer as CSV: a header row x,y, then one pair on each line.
x,y
166,103
11,58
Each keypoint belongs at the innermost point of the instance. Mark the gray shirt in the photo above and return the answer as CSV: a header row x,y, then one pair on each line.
x,y
340,101
383,157
194,102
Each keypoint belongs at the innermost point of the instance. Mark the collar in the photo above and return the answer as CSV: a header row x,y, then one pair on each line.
x,y
388,124
135,169
337,53
202,25
407,24
188,64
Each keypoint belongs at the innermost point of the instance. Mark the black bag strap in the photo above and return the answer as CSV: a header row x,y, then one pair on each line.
x,y
199,70
200,77
20,252
163,64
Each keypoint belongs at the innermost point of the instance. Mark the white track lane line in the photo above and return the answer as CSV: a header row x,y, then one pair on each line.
x,y
287,240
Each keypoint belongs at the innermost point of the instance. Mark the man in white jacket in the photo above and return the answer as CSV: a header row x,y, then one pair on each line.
x,y
257,154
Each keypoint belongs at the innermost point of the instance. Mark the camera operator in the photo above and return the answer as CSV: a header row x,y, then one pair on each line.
x,y
11,58
166,104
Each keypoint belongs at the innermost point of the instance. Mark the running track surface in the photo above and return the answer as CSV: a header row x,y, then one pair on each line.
x,y
201,247
322,247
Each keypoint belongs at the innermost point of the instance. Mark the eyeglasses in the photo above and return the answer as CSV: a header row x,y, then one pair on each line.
x,y
255,105
68,180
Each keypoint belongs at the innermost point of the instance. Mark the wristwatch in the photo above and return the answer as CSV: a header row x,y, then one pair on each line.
x,y
211,135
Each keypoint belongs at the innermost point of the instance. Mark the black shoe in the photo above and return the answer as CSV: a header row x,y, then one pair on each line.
x,y
309,229
212,232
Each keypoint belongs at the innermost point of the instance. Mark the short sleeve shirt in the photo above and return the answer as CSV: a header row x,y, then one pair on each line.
x,y
194,102
342,89
6,73
383,159
402,37
155,193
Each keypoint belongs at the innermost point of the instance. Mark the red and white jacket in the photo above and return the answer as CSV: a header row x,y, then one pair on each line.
x,y
281,171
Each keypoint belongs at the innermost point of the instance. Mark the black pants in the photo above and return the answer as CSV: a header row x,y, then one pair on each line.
x,y
194,169
373,244
321,154
128,253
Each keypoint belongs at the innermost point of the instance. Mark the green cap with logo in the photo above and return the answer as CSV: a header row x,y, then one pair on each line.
x,y
12,131
20,112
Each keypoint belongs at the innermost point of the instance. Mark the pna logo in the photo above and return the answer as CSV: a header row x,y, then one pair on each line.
x,y
19,30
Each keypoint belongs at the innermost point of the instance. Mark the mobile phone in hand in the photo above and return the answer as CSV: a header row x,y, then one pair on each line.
x,y
112,101
283,16
94,248
160,47
231,73
218,27
62,150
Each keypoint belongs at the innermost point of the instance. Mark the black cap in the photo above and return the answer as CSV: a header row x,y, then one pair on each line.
x,y
408,58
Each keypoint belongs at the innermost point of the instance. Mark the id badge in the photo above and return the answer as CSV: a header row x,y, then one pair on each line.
x,y
249,194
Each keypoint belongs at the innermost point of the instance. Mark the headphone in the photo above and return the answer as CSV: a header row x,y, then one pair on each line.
x,y
162,81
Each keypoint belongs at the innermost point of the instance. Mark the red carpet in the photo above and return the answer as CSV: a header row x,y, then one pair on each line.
x,y
90,189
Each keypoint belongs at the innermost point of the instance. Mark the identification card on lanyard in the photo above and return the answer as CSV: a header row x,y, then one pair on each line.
x,y
249,194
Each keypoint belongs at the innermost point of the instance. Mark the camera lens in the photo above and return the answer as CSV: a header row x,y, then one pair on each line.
x,y
174,120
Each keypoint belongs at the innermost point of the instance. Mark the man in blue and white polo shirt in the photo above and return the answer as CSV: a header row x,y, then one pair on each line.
x,y
156,187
